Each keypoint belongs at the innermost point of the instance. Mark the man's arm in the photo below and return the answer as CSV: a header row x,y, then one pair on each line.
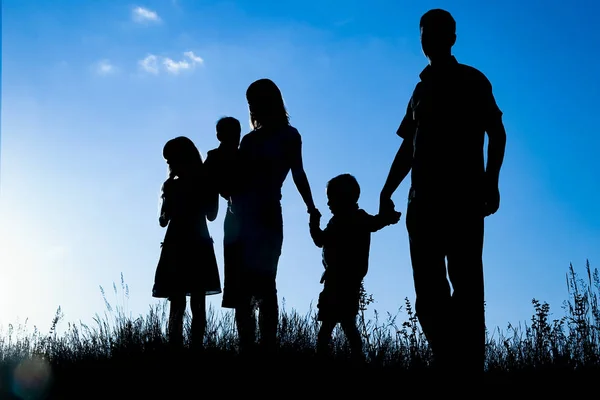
x,y
495,151
402,163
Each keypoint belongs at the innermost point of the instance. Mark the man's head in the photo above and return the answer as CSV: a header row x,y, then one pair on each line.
x,y
438,33
343,192
229,131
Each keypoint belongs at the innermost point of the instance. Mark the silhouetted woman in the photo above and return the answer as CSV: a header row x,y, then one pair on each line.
x,y
187,264
267,154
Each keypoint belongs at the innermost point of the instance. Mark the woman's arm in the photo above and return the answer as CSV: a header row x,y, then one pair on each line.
x,y
316,232
299,175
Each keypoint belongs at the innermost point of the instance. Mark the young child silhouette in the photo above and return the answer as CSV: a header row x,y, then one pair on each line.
x,y
346,243
187,264
221,164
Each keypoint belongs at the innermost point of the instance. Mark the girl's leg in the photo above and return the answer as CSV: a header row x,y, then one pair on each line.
x,y
198,308
324,336
354,339
176,312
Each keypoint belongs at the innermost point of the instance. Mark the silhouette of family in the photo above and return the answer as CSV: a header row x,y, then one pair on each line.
x,y
450,111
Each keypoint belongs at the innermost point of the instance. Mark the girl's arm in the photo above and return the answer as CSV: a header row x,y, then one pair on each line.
x,y
164,217
299,175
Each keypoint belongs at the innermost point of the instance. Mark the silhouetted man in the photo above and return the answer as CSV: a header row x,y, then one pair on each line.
x,y
451,192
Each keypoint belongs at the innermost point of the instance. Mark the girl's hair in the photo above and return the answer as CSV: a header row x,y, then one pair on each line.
x,y
183,151
266,106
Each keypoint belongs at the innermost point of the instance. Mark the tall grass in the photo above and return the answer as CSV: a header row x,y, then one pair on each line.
x,y
570,343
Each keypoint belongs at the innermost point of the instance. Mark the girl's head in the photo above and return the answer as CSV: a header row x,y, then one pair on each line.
x,y
266,105
182,156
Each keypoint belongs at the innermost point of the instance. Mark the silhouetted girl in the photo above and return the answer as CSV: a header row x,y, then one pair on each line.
x,y
187,264
266,155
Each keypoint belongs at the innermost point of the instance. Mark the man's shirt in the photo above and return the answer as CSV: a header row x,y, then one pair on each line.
x,y
446,119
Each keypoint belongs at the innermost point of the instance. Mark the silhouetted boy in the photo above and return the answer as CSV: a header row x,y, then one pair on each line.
x,y
346,242
222,167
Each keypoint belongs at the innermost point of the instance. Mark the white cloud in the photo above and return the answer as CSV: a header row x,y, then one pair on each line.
x,y
151,63
195,59
141,15
174,67
104,67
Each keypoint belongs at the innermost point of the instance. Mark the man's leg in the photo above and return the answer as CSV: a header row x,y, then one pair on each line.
x,y
465,269
429,274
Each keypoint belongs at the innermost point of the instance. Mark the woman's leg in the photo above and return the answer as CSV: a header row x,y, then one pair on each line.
x,y
198,308
268,319
246,323
176,312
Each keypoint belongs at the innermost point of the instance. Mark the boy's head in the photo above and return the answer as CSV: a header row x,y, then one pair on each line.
x,y
343,192
229,131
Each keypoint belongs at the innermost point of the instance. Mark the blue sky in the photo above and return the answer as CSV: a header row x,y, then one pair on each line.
x,y
84,120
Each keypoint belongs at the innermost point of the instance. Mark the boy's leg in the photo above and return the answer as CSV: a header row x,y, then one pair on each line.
x,y
198,308
176,313
354,339
324,336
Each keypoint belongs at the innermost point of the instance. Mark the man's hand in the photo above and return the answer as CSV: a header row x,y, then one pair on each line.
x,y
491,199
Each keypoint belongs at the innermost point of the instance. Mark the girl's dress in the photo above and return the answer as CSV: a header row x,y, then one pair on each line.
x,y
187,263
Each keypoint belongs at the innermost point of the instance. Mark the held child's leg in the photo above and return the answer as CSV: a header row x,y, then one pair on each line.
x,y
176,312
354,339
198,308
324,336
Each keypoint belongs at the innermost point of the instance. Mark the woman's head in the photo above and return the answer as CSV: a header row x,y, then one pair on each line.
x,y
181,155
266,105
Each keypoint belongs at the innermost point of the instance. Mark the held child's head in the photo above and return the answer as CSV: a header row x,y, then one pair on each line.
x,y
229,131
182,156
343,192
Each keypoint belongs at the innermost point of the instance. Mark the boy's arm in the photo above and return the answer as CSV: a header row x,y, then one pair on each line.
x,y
377,222
402,163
